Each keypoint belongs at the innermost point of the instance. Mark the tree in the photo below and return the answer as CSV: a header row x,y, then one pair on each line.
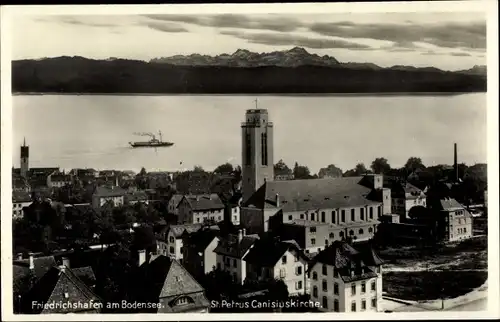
x,y
413,164
281,168
226,168
360,169
380,166
330,171
143,172
198,168
301,172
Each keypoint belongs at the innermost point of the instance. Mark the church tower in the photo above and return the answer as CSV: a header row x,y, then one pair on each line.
x,y
25,155
257,151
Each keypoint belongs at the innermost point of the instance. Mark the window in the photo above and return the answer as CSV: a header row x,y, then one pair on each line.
x,y
332,236
324,270
351,232
312,216
234,263
363,304
363,287
172,239
301,216
182,301
296,258
353,306
290,217
298,285
172,250
283,260
325,286
371,212
298,270
282,273
353,289
323,216
374,286
312,229
353,215
313,241
379,211
335,305
315,291
361,231
325,302
370,230
235,210
264,148
374,302
198,219
336,288
219,218
342,216
362,214
248,148
326,242
341,234
218,265
333,217
315,276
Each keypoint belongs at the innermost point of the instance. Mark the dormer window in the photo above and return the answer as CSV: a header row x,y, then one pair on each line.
x,y
66,295
182,301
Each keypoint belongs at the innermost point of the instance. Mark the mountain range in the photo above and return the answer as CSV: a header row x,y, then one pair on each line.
x,y
290,71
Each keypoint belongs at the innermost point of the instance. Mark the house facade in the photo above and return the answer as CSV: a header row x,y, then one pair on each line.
x,y
103,195
404,197
58,180
20,199
283,260
173,203
196,209
170,243
344,279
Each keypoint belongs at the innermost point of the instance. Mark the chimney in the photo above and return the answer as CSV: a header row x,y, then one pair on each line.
x,y
65,262
244,232
240,235
142,256
455,161
19,256
62,268
32,261
277,200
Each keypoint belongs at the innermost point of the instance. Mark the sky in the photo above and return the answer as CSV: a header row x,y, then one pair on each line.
x,y
449,41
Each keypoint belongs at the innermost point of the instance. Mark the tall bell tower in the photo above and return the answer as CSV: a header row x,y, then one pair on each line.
x,y
25,155
257,151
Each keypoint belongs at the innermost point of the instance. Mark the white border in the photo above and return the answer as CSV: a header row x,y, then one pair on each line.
x,y
489,7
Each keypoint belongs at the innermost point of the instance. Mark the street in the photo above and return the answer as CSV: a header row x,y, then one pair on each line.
x,y
478,305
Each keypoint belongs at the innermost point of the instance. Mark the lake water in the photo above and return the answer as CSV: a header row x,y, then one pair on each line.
x,y
93,131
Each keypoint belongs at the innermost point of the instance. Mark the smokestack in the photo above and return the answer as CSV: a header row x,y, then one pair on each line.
x,y
240,235
244,232
455,161
277,200
32,261
19,256
142,256
65,262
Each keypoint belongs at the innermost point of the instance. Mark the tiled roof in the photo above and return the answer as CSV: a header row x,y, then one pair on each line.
x,y
164,277
201,238
178,230
85,274
204,202
267,252
301,195
109,191
175,199
60,177
137,196
20,196
450,204
60,285
352,264
231,247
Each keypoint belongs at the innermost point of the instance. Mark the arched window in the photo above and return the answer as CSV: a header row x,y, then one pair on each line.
x,y
315,291
351,233
361,231
315,276
332,235
341,234
370,230
325,302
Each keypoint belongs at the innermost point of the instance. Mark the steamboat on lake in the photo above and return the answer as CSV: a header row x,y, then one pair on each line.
x,y
153,143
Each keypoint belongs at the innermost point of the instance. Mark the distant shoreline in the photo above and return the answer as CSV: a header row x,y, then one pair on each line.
x,y
252,94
